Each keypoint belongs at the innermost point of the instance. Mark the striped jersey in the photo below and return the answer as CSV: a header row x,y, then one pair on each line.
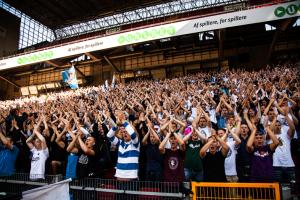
x,y
128,153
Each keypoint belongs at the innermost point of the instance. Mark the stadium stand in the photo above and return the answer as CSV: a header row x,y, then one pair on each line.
x,y
183,100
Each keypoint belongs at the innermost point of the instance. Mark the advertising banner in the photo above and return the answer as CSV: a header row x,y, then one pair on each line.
x,y
239,18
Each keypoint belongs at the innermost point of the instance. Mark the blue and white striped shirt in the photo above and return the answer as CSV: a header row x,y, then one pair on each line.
x,y
128,153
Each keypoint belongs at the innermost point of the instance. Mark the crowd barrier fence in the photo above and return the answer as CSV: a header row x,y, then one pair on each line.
x,y
229,191
96,188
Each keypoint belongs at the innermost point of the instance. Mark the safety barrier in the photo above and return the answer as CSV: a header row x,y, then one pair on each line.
x,y
96,188
261,191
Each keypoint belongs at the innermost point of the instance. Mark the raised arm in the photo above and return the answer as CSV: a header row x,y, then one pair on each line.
x,y
269,106
71,147
275,141
204,149
182,124
84,148
234,135
180,141
163,143
225,148
4,140
250,125
218,109
145,138
250,141
58,140
291,124
41,138
227,105
29,141
152,131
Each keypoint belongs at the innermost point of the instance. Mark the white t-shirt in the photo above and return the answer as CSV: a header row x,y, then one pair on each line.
x,y
205,131
38,160
194,112
229,165
212,115
282,156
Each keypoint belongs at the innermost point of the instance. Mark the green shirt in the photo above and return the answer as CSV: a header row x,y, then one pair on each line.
x,y
192,157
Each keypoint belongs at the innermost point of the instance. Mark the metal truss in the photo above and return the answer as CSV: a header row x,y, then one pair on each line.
x,y
139,15
31,31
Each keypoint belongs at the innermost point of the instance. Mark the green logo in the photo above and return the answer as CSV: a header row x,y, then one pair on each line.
x,y
280,12
35,57
291,9
154,33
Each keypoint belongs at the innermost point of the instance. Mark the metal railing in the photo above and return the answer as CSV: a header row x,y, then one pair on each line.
x,y
261,191
96,188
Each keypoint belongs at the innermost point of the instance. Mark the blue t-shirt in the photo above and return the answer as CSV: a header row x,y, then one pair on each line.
x,y
221,121
8,159
71,166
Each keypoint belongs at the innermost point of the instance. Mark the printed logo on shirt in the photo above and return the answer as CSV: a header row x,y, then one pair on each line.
x,y
203,133
35,158
261,154
173,163
229,153
192,146
83,159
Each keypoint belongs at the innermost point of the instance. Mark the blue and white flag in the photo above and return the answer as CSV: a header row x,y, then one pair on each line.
x,y
69,77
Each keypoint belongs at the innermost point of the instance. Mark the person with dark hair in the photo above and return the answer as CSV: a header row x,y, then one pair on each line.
x,y
154,160
8,155
243,157
222,111
193,167
128,148
214,153
173,157
88,155
40,153
261,155
284,167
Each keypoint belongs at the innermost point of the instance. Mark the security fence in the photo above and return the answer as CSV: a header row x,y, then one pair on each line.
x,y
109,189
95,188
254,191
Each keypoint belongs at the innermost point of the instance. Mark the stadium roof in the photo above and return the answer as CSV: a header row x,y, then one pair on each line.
x,y
58,13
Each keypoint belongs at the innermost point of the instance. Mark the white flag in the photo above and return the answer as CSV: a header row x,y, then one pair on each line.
x,y
56,191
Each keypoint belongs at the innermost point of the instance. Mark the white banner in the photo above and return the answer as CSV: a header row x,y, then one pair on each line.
x,y
257,15
56,191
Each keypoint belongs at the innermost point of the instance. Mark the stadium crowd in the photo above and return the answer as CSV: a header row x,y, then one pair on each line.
x,y
220,126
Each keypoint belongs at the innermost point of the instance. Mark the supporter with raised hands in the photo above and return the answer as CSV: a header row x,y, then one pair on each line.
x,y
154,160
58,149
173,156
233,141
282,159
193,167
222,111
214,153
73,150
202,124
88,152
8,155
128,147
40,153
243,157
261,155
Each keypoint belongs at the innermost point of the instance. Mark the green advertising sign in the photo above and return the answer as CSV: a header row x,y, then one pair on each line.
x,y
291,9
158,32
48,55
